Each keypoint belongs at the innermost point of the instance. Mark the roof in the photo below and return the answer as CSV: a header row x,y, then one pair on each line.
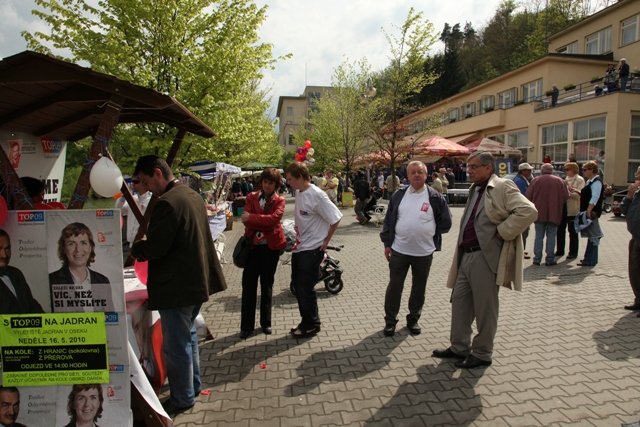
x,y
48,97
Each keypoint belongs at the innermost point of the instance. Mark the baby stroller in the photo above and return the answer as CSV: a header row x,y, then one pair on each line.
x,y
330,270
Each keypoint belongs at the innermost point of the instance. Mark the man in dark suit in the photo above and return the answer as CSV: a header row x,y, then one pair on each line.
x,y
15,294
9,407
183,271
488,256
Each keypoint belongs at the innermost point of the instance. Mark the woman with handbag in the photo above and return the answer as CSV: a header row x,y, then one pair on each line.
x,y
261,218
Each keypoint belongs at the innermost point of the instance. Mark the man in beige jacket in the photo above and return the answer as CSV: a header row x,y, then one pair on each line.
x,y
488,255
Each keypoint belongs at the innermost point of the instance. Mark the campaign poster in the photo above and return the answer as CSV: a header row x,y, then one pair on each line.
x,y
76,254
40,158
85,260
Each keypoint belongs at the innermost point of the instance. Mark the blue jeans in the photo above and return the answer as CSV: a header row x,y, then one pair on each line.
x,y
305,267
550,230
180,348
590,254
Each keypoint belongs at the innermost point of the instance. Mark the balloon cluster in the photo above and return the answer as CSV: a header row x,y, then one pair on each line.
x,y
305,153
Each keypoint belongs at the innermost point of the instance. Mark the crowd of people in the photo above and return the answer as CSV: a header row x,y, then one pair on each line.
x,y
184,270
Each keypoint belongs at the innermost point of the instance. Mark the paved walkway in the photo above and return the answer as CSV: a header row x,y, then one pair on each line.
x,y
566,353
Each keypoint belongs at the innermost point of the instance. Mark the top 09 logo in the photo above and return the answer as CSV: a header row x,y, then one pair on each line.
x,y
104,213
30,216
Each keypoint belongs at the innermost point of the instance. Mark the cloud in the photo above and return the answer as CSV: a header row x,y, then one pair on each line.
x,y
320,34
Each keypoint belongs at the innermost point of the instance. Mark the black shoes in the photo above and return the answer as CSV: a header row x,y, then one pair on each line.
x,y
389,330
304,333
549,264
471,362
633,307
267,330
245,334
173,410
447,354
414,329
536,263
572,256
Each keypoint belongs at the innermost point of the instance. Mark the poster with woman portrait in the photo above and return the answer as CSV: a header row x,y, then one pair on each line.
x,y
85,261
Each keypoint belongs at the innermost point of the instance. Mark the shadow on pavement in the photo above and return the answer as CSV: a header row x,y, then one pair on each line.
x,y
234,366
442,395
369,355
622,340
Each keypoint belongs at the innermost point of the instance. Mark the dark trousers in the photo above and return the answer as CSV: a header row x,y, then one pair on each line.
x,y
262,265
398,267
305,266
634,267
574,239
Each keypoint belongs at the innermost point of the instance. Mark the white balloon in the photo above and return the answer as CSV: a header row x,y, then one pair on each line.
x,y
105,177
310,151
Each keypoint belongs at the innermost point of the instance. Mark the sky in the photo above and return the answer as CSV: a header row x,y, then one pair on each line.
x,y
320,34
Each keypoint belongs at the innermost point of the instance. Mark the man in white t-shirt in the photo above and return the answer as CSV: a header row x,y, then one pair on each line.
x,y
316,220
412,231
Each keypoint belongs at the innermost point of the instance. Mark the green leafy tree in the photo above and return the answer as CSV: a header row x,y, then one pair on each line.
x,y
341,122
206,53
399,84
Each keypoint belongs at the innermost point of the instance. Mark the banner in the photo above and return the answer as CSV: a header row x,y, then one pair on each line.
x,y
40,158
67,262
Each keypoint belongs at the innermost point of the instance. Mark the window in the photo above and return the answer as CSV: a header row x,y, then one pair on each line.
x,y
532,91
469,109
588,138
289,111
507,98
598,43
555,139
634,148
519,140
488,103
629,28
570,48
453,114
499,137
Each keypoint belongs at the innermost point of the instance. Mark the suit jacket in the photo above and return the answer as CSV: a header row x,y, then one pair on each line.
x,y
498,223
63,277
24,302
183,265
266,220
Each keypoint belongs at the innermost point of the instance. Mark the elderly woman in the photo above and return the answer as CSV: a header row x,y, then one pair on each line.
x,y
85,405
261,218
575,183
76,250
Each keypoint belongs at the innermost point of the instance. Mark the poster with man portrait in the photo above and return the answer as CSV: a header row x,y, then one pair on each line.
x,y
70,261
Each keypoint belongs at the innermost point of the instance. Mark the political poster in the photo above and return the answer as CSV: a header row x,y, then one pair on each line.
x,y
70,264
40,158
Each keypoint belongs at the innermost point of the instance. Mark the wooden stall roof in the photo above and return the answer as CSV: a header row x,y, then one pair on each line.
x,y
48,97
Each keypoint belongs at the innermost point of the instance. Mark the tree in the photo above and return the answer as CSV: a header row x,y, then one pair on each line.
x,y
401,81
206,53
342,120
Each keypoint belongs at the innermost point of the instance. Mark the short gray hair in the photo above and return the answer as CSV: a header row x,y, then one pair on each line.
x,y
546,168
417,163
485,157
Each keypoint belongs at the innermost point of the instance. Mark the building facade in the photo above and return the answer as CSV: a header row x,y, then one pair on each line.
x,y
293,114
518,107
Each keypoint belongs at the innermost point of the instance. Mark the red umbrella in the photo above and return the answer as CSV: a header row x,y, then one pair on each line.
x,y
439,146
494,147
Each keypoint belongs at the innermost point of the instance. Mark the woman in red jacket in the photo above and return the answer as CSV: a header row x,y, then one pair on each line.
x,y
261,218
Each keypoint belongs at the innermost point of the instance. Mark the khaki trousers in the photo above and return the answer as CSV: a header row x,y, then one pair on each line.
x,y
475,296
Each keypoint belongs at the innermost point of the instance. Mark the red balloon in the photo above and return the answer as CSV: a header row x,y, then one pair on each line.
x,y
4,210
307,144
141,268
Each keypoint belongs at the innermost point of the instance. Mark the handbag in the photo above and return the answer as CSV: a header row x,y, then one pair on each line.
x,y
241,252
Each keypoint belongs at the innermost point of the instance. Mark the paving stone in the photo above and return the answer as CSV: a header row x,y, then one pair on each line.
x,y
565,353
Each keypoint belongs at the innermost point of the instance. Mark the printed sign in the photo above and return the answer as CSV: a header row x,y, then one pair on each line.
x,y
53,349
